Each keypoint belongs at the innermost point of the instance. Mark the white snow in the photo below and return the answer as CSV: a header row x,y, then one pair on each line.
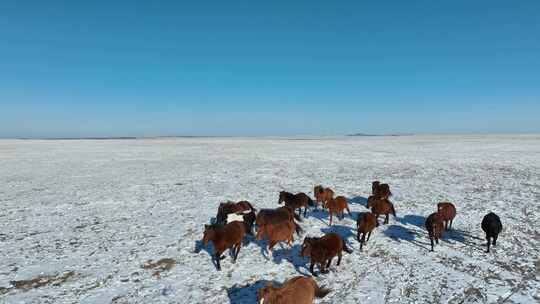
x,y
103,208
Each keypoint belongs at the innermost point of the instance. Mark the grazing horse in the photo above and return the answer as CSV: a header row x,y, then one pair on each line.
x,y
321,250
435,228
380,190
275,233
382,206
447,213
322,195
243,207
295,201
365,224
492,226
225,237
337,205
298,290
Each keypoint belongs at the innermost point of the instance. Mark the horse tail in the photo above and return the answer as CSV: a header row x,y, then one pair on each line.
x,y
348,210
392,209
321,292
345,248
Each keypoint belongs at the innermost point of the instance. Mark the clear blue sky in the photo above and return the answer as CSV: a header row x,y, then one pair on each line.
x,y
120,68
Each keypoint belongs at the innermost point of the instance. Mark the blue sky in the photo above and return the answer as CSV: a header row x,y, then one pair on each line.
x,y
120,68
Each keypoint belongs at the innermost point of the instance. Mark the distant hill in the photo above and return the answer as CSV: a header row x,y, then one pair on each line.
x,y
365,134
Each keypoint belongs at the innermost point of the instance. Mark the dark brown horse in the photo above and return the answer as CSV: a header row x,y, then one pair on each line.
x,y
295,201
492,226
447,213
382,206
276,216
243,207
337,206
298,290
321,250
225,237
365,224
380,190
323,195
435,228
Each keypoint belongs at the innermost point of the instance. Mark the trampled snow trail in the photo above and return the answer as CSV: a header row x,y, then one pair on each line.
x,y
80,220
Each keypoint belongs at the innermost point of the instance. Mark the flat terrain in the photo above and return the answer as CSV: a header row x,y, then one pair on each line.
x,y
120,221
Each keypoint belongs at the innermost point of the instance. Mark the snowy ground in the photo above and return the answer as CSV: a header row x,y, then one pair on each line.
x,y
80,219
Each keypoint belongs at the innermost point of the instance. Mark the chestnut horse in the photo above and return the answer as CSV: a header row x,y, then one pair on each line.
x,y
337,205
275,233
323,195
295,201
447,213
298,290
435,228
365,224
243,207
225,237
382,206
321,250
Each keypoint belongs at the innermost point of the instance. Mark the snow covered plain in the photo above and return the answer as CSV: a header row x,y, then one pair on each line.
x,y
79,220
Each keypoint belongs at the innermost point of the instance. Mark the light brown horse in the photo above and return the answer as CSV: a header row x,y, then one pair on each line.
x,y
295,201
435,228
243,207
321,250
382,206
365,224
276,233
225,237
337,206
447,213
323,195
298,290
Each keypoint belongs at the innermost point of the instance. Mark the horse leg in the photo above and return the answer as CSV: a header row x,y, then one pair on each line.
x,y
387,220
324,269
495,240
237,251
311,268
431,240
451,221
368,236
305,210
339,259
218,258
330,218
488,243
362,241
445,225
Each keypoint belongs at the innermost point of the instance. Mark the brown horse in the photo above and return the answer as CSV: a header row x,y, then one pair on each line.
x,y
276,216
365,224
275,233
323,195
435,228
295,201
380,190
322,250
382,206
225,237
337,205
243,207
447,213
298,290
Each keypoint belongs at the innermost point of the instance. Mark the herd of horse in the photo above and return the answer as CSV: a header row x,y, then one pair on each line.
x,y
235,220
